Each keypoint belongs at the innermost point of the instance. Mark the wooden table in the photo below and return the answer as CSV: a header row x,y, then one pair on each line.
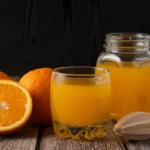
x,y
33,138
43,138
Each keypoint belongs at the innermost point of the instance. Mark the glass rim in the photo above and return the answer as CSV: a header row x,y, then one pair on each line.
x,y
56,71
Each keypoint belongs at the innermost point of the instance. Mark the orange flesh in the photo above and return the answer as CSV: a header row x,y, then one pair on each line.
x,y
12,104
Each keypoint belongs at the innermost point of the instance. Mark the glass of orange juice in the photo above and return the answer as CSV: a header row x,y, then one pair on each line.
x,y
80,102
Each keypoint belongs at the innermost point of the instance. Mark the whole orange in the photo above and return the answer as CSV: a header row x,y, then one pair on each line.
x,y
4,76
37,82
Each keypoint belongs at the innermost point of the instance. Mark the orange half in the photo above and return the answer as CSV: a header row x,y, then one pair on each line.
x,y
15,106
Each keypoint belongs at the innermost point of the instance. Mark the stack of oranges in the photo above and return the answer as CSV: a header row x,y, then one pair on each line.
x,y
28,100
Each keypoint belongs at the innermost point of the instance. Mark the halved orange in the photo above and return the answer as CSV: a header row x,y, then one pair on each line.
x,y
15,106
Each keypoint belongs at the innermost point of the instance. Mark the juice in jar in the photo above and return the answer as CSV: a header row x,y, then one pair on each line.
x,y
76,107
130,88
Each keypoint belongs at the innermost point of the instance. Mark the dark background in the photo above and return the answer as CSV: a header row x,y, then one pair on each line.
x,y
53,33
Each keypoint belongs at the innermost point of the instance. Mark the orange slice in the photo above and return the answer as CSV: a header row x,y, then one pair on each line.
x,y
15,106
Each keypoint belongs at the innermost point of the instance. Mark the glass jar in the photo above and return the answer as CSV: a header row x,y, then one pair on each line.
x,y
127,57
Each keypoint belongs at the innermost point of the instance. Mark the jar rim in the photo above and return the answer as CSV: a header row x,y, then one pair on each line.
x,y
127,42
127,36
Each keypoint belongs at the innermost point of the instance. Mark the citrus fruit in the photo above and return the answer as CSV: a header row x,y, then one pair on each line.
x,y
15,106
37,82
4,76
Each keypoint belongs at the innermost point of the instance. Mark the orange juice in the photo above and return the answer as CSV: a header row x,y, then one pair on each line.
x,y
79,105
130,89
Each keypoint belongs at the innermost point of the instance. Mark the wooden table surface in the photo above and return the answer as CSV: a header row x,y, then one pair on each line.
x,y
33,138
43,138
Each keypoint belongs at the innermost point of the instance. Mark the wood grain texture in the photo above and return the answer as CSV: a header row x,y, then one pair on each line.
x,y
50,141
24,140
31,138
53,33
140,145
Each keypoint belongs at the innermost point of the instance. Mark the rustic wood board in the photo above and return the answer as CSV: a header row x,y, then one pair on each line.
x,y
50,141
30,138
140,145
26,139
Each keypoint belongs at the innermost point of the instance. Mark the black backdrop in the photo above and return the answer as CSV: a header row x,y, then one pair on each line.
x,y
53,33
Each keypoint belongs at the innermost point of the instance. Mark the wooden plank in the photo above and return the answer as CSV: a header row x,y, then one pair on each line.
x,y
14,28
23,140
50,141
138,145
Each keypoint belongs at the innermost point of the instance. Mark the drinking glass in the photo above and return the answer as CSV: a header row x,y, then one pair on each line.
x,y
80,102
